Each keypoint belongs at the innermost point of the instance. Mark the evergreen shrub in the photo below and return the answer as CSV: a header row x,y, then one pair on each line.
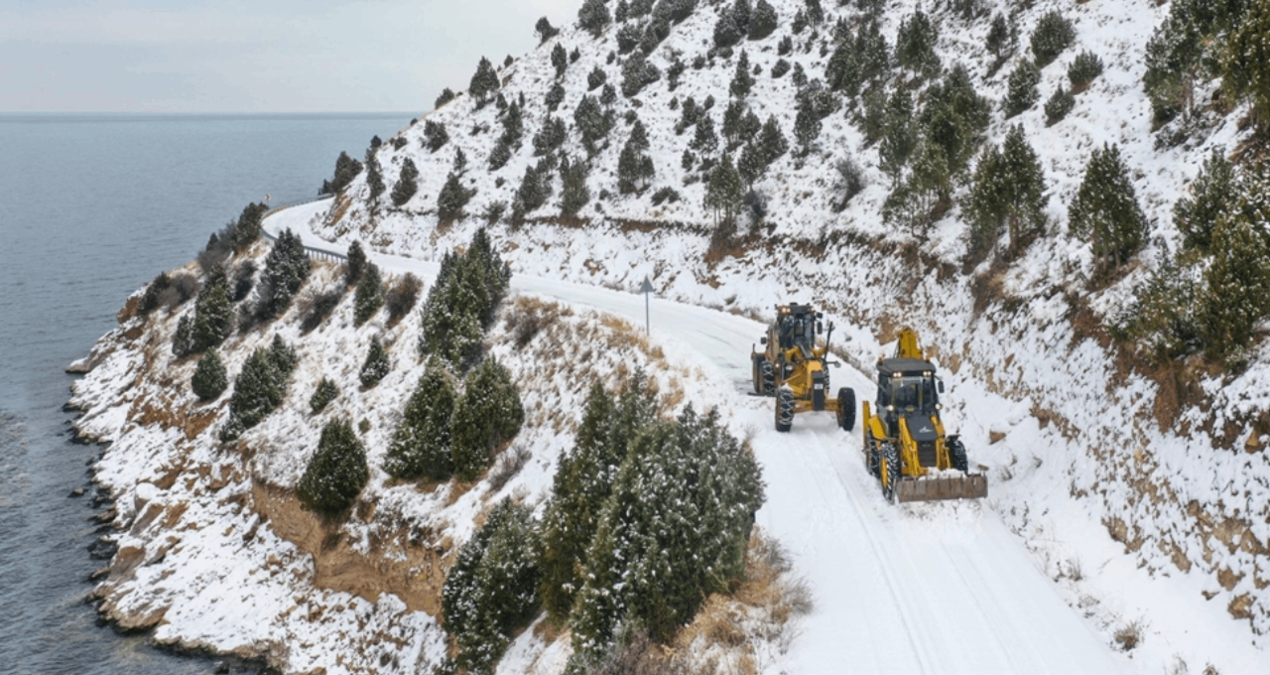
x,y
336,473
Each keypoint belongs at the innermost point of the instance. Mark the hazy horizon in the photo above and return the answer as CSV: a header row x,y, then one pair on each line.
x,y
273,56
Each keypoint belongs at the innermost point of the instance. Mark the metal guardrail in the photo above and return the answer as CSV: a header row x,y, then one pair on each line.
x,y
314,252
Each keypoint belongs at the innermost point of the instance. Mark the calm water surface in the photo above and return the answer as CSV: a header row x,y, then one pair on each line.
x,y
92,207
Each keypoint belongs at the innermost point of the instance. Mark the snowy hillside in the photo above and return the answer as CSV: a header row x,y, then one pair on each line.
x,y
1163,470
1127,527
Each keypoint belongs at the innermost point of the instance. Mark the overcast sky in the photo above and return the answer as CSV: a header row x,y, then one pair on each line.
x,y
258,56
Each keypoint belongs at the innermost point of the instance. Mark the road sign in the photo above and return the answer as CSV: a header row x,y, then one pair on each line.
x,y
647,289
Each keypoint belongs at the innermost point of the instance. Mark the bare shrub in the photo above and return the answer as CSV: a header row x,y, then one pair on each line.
x,y
244,281
182,288
509,464
528,317
316,306
1129,635
635,654
402,297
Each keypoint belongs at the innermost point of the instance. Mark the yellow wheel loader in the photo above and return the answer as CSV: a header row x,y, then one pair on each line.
x,y
905,446
795,371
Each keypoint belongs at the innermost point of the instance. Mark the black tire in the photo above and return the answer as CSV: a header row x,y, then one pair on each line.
x,y
761,373
872,460
846,408
957,455
889,474
784,410
756,372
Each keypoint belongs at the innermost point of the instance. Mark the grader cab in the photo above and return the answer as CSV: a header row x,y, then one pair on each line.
x,y
905,445
794,370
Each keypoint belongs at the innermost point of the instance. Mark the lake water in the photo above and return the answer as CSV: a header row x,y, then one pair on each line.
x,y
92,206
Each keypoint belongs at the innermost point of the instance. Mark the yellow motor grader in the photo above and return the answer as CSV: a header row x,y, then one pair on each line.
x,y
905,446
794,370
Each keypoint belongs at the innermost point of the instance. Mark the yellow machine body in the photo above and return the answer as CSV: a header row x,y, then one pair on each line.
x,y
794,369
905,444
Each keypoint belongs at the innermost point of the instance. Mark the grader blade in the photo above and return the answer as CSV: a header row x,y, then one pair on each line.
x,y
969,486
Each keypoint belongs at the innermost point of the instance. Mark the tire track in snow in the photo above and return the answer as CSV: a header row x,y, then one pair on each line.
x,y
947,606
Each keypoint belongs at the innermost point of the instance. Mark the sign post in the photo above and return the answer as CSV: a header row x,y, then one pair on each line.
x,y
647,289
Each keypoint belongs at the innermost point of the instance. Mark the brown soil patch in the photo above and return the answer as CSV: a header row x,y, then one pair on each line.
x,y
417,579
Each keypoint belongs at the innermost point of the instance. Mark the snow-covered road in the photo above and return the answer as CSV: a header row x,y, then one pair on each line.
x,y
919,588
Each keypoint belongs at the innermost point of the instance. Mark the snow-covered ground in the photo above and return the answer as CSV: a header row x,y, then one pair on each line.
x,y
925,588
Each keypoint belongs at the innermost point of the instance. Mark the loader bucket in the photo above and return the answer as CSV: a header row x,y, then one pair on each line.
x,y
968,486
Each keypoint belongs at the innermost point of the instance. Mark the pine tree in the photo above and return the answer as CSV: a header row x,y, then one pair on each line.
x,y
355,264
488,415
374,176
407,183
513,125
452,198
489,591
420,446
998,40
286,269
762,21
594,16
336,473
724,190
593,124
370,295
376,365
1008,191
900,136
574,194
955,116
551,136
183,337
258,389
444,97
596,78
742,80
1057,107
727,31
545,30
559,59
1213,194
1237,297
213,315
284,358
637,73
1084,68
1053,34
325,392
673,531
1105,210
750,164
1021,93
915,45
1246,55
346,169
772,141
434,135
210,379
484,83
555,96
635,169
705,141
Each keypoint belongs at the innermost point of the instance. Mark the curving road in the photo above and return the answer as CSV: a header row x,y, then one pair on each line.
x,y
923,589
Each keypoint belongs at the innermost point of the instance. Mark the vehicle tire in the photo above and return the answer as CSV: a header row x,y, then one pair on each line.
x,y
756,372
957,455
872,460
846,408
889,471
769,377
784,410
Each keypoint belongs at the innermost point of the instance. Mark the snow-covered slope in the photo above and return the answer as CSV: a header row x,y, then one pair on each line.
x,y
1184,500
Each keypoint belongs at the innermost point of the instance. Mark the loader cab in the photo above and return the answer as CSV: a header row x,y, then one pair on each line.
x,y
796,327
907,387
